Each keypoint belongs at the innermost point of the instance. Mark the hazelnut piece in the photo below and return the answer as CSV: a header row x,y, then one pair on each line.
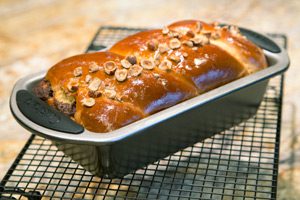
x,y
174,43
176,34
190,33
216,35
198,27
163,48
156,75
174,58
88,102
165,65
121,74
162,81
73,85
77,71
126,64
189,43
200,40
94,84
234,30
131,59
93,67
152,45
165,30
147,64
135,70
94,94
88,78
110,67
157,56
110,93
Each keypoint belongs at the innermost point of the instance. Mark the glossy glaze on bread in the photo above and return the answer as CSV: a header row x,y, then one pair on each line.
x,y
147,72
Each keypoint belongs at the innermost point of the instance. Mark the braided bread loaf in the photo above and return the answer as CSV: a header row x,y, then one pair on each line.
x,y
147,72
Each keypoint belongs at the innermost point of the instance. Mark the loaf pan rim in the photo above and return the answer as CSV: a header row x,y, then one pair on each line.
x,y
87,137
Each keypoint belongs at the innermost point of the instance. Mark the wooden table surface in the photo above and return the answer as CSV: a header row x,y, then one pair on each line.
x,y
36,34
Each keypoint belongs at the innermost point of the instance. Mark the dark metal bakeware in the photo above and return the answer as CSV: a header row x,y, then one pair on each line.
x,y
119,152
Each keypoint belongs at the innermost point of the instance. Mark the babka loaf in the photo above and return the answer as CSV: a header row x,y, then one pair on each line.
x,y
147,72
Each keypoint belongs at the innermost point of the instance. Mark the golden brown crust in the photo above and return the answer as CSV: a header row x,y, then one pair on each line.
x,y
139,96
150,71
106,115
232,42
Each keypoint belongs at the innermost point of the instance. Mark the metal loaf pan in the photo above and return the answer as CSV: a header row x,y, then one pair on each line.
x,y
121,151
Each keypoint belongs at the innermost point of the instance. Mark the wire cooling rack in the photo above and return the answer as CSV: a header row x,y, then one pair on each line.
x,y
240,163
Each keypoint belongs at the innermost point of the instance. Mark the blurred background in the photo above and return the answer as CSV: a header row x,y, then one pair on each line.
x,y
34,35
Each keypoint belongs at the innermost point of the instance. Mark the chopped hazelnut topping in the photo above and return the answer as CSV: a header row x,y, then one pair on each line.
x,y
88,102
156,62
110,93
88,78
121,74
131,59
135,70
126,64
147,64
163,48
216,35
174,58
156,75
196,40
187,67
157,56
175,34
152,45
234,30
162,81
77,71
182,31
218,27
189,43
198,61
190,33
185,54
73,85
165,65
165,30
174,43
206,33
110,67
180,35
198,27
94,84
93,67
195,48
171,34
94,94
200,40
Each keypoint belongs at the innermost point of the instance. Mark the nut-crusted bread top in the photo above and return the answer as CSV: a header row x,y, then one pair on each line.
x,y
147,72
